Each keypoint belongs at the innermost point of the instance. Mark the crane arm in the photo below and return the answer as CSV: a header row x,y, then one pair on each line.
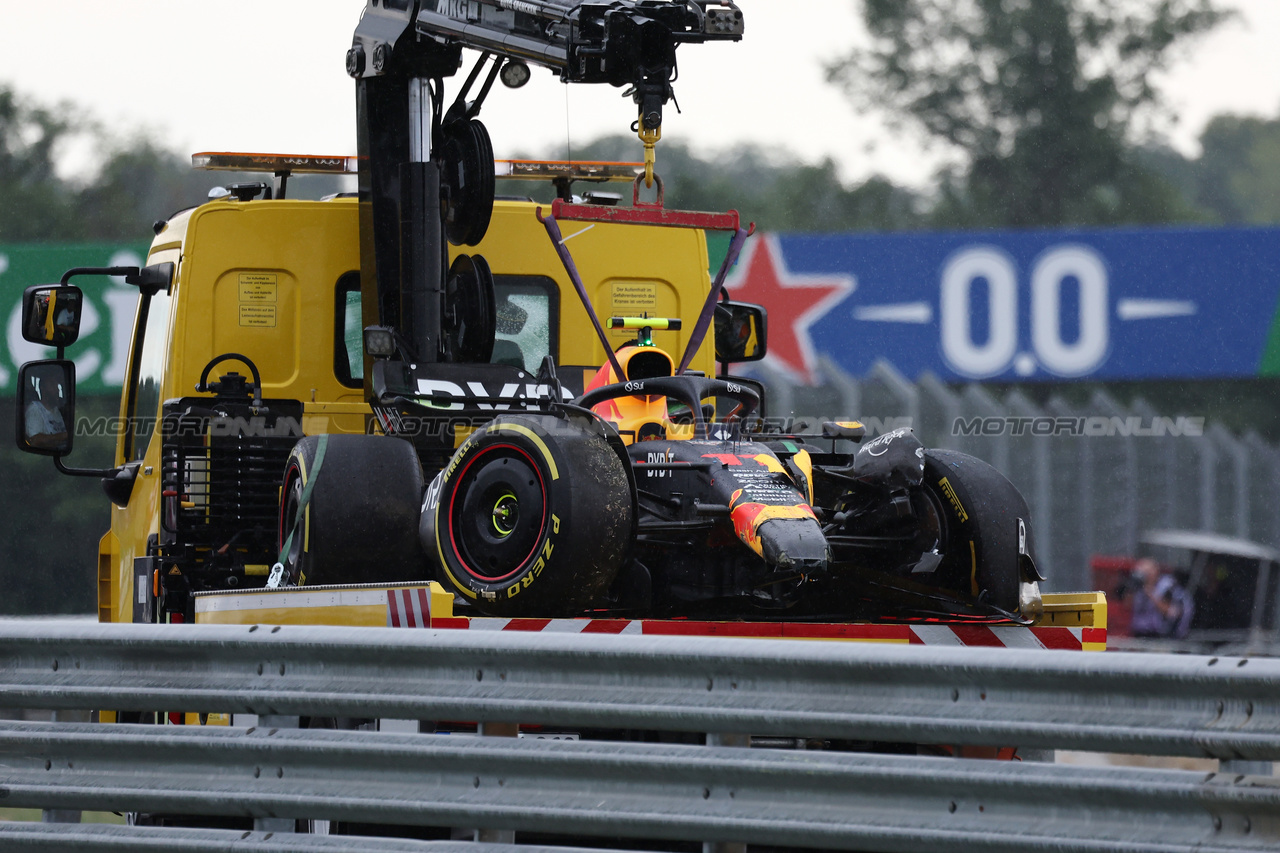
x,y
622,43
426,171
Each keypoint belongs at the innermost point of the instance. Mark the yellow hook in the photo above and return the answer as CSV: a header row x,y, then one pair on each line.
x,y
650,139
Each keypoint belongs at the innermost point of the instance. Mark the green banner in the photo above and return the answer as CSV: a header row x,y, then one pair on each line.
x,y
102,353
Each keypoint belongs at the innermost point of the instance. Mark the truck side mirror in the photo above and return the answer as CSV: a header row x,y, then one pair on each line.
x,y
46,406
741,331
51,314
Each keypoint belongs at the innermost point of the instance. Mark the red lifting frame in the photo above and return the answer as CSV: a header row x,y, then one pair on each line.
x,y
647,213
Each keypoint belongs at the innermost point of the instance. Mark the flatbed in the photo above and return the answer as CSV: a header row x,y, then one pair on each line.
x,y
1073,621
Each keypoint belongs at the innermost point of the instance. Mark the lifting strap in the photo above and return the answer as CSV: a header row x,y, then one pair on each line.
x,y
646,213
557,240
709,307
277,577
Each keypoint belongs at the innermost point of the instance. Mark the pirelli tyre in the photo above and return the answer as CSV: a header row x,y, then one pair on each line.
x,y
360,519
532,516
985,529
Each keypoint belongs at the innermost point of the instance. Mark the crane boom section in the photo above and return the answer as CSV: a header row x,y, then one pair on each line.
x,y
618,43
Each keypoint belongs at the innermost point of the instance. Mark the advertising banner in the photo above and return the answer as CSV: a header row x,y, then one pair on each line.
x,y
102,352
1021,306
1047,305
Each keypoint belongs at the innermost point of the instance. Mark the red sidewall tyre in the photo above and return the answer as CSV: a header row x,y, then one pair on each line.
x,y
532,517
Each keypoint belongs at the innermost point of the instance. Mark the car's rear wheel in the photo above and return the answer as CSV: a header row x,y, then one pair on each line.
x,y
360,521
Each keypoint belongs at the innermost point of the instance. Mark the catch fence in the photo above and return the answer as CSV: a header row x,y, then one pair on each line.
x,y
1095,475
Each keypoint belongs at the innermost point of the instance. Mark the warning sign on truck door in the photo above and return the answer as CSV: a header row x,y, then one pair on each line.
x,y
258,299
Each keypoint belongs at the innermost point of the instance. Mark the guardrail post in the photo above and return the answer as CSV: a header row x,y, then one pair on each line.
x,y
63,815
738,740
1247,768
497,836
276,824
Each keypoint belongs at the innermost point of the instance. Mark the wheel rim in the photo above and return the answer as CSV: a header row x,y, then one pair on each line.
x,y
289,512
933,521
506,515
497,514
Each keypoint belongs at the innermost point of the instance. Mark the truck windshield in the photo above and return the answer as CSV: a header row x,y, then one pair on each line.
x,y
527,322
348,362
153,330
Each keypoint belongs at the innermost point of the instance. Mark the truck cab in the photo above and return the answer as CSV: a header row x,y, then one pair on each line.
x,y
273,285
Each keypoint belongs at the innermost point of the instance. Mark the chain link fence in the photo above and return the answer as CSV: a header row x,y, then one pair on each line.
x,y
1095,474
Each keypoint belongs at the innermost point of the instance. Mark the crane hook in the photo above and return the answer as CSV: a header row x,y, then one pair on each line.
x,y
650,139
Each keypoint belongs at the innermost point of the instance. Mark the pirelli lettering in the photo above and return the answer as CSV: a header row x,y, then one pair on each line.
x,y
541,563
955,501
458,457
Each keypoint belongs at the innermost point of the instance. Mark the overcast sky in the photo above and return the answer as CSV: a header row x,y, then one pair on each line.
x,y
267,75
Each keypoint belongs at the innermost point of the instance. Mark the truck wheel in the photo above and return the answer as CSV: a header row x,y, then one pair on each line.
x,y
981,513
360,524
533,516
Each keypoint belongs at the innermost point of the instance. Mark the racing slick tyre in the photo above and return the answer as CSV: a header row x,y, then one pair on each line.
x,y
360,521
985,528
532,517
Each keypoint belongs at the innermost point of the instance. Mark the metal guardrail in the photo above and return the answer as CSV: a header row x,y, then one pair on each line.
x,y
44,838
1160,705
1152,704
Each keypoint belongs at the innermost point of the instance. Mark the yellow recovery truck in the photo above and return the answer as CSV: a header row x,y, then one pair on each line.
x,y
421,406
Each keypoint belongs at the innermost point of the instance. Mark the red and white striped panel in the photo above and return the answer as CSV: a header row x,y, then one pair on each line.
x,y
1006,636
409,608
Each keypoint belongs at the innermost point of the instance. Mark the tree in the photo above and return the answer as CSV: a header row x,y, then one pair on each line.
x,y
1236,178
137,183
1238,175
1042,98
768,187
36,201
49,539
130,183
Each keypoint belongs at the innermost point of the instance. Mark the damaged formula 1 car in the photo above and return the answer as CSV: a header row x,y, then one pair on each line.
x,y
657,492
